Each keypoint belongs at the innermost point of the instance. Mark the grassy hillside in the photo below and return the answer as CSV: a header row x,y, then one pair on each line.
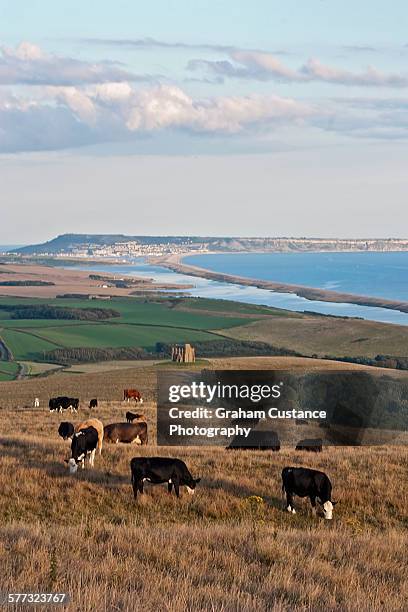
x,y
230,547
8,370
322,336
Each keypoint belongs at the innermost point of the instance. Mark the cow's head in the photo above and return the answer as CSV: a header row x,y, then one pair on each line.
x,y
66,430
327,508
78,453
72,464
192,485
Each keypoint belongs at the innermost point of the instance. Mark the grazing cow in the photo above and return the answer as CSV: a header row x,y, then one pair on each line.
x,y
131,416
98,425
36,402
314,445
83,443
126,432
134,394
63,403
305,482
256,440
66,430
158,470
93,403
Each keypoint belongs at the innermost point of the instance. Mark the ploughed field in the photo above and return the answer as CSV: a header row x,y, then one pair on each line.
x,y
228,547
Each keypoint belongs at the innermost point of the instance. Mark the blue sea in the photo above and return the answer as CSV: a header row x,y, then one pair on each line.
x,y
372,274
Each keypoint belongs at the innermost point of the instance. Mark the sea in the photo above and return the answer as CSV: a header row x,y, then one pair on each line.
x,y
372,274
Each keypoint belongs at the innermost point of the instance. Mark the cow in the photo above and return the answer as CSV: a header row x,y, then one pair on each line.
x,y
93,403
131,416
36,402
314,445
305,482
134,394
83,443
98,425
126,432
66,430
158,470
256,440
63,403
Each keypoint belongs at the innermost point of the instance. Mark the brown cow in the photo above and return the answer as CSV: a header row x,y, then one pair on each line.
x,y
126,432
134,394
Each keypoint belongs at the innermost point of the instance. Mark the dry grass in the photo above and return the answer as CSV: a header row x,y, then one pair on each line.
x,y
220,550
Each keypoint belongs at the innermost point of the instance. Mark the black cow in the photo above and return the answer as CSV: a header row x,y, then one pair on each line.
x,y
314,445
83,443
93,403
131,416
66,430
63,403
256,440
158,470
305,482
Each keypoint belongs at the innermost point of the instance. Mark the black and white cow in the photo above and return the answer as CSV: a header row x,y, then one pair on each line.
x,y
93,403
305,482
83,443
158,470
66,430
63,403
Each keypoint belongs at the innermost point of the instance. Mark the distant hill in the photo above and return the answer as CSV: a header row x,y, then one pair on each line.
x,y
70,243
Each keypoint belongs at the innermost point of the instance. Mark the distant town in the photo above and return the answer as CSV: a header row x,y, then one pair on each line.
x,y
126,250
121,247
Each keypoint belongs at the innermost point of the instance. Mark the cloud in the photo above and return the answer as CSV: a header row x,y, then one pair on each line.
x,y
371,77
68,116
360,48
248,65
372,118
261,66
28,64
154,43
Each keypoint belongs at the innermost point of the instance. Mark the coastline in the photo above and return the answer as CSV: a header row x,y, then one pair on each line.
x,y
66,281
175,263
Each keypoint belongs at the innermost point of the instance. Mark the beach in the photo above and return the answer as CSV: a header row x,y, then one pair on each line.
x,y
176,264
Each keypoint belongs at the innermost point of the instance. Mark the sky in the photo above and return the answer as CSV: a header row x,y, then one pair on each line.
x,y
206,118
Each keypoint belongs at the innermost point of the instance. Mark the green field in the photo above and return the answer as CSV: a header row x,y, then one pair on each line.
x,y
141,324
8,370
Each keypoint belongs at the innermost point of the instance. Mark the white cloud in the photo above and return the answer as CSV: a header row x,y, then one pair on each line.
x,y
261,66
29,65
114,112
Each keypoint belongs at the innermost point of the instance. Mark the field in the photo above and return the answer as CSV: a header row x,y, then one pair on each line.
x,y
229,547
141,323
85,535
8,370
319,335
144,322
